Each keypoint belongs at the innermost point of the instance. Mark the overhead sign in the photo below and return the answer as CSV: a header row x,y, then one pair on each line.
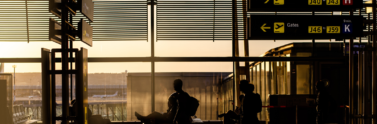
x,y
85,32
266,27
55,7
54,34
303,5
86,8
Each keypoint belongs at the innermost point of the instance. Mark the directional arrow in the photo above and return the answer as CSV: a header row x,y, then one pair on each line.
x,y
263,28
266,2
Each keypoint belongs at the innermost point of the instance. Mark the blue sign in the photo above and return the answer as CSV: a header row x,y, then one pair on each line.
x,y
347,28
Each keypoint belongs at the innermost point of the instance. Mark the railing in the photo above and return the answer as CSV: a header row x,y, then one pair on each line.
x,y
298,112
113,112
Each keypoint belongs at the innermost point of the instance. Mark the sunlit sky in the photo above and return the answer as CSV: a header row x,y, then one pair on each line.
x,y
141,49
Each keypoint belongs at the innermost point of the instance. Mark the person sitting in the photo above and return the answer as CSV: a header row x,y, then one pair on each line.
x,y
183,110
156,117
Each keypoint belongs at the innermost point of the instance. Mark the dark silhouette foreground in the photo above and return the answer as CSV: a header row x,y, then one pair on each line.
x,y
231,117
179,111
252,103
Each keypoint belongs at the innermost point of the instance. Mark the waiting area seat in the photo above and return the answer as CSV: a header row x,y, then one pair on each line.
x,y
20,117
195,121
29,122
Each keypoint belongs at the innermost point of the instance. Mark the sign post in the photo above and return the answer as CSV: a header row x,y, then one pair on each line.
x,y
61,33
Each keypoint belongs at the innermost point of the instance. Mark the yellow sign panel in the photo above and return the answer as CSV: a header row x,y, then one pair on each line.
x,y
332,2
278,2
333,29
279,27
314,2
315,29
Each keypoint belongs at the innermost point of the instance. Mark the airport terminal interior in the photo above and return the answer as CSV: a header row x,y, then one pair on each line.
x,y
106,61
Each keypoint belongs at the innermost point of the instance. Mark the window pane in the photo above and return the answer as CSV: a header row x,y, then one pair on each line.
x,y
303,79
99,49
115,90
260,47
193,48
118,90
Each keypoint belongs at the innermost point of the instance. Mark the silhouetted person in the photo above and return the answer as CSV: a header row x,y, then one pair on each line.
x,y
322,102
232,116
182,116
252,103
156,117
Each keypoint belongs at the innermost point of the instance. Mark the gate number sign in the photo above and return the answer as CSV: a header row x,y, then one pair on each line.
x,y
330,2
303,5
304,27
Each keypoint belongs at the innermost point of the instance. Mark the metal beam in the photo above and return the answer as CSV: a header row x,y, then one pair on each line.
x,y
374,82
351,83
224,59
21,60
152,56
181,59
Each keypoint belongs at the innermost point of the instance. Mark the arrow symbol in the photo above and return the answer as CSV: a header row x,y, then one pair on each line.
x,y
266,2
263,28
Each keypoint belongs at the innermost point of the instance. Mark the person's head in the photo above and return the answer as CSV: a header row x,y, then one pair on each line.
x,y
322,84
245,87
178,85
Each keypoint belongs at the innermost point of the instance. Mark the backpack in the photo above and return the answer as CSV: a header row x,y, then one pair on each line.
x,y
194,104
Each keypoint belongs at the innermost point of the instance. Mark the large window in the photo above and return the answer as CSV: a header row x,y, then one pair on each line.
x,y
130,77
110,90
206,81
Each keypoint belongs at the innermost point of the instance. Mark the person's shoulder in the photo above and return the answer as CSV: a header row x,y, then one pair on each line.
x,y
185,94
174,95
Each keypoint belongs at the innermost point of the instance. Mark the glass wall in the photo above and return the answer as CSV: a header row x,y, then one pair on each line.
x,y
27,88
115,90
226,92
283,75
270,78
138,95
206,48
303,78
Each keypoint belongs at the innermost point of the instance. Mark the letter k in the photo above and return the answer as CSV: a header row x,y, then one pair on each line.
x,y
347,28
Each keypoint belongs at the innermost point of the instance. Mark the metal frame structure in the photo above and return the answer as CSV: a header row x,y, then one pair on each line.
x,y
235,59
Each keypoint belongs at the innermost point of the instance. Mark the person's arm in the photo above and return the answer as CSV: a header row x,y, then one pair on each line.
x,y
246,106
177,113
182,103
